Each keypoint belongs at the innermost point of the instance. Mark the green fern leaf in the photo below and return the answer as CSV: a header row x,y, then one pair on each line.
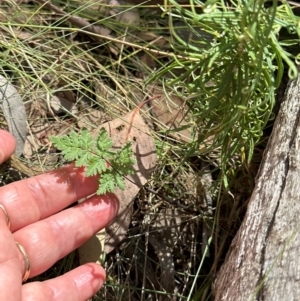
x,y
104,142
84,159
98,157
107,183
120,181
95,166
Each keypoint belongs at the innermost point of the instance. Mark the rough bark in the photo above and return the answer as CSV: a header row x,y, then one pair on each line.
x,y
263,262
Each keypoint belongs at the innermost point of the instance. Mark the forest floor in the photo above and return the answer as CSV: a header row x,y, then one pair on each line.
x,y
95,67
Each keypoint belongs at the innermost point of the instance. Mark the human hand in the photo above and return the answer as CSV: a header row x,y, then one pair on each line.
x,y
47,234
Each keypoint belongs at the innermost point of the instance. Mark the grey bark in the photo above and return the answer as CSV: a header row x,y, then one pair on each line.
x,y
263,262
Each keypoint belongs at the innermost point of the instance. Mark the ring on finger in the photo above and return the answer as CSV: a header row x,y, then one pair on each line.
x,y
27,262
6,216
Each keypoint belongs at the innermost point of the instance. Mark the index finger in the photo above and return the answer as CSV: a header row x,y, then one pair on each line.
x,y
36,198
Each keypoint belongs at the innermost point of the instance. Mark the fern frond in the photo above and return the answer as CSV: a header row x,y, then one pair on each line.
x,y
98,157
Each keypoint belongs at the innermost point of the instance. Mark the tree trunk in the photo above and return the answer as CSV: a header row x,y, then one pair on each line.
x,y
263,262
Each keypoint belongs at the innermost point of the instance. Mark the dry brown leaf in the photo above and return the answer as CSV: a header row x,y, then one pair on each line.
x,y
22,34
129,128
123,14
13,109
170,111
89,118
149,61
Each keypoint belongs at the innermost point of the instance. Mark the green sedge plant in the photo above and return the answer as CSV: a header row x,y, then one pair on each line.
x,y
98,157
229,69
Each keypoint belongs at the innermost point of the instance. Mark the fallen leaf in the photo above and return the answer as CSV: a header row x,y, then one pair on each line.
x,y
129,128
123,14
89,118
170,112
14,112
38,129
